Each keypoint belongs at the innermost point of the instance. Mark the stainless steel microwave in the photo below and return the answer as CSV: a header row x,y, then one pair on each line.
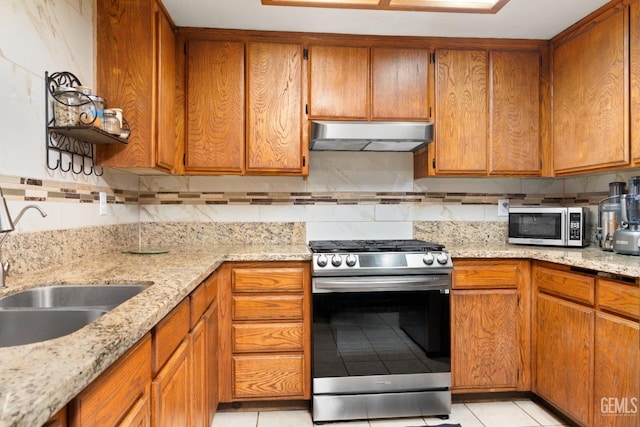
x,y
547,226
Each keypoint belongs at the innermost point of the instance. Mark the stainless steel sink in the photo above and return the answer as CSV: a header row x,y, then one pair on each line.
x,y
104,297
26,326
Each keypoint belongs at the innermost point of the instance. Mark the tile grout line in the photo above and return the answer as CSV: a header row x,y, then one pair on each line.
x,y
474,414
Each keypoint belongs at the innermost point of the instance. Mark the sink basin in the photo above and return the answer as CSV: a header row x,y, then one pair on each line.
x,y
26,326
104,297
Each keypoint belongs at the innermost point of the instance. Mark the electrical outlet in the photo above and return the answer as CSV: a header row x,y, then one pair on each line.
x,y
103,203
503,207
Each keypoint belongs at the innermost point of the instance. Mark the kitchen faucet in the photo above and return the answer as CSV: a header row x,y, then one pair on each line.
x,y
6,226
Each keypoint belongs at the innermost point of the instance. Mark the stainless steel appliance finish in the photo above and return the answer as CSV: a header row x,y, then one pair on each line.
x,y
381,339
609,216
369,136
549,226
626,240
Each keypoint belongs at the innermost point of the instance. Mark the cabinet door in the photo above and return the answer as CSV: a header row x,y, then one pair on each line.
x,y
514,105
399,83
199,404
274,120
634,61
485,339
211,322
140,414
564,356
461,112
338,82
617,372
589,99
215,107
171,390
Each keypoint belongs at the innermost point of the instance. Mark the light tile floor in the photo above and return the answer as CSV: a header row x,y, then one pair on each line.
x,y
513,413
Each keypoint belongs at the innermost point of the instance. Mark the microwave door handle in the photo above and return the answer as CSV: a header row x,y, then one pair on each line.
x,y
564,230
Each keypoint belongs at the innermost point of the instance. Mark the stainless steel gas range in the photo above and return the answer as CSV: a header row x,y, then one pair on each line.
x,y
381,337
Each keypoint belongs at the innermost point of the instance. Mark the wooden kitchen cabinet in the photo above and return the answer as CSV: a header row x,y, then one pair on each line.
x,y
275,140
634,72
487,118
265,331
171,389
368,83
590,131
461,110
339,82
135,70
617,354
564,320
490,325
120,396
215,107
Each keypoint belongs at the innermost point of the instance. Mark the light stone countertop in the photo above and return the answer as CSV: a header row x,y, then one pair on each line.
x,y
36,380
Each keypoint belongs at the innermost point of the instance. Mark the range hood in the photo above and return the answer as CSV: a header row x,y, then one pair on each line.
x,y
369,136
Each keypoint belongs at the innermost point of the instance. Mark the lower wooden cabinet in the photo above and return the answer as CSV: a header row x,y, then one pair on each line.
x,y
490,326
265,317
171,389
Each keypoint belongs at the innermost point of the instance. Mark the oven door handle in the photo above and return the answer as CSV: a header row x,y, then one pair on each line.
x,y
432,282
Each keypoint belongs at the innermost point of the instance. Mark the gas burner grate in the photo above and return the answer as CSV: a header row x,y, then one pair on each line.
x,y
398,245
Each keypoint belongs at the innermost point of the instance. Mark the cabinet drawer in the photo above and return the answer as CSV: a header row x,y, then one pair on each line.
x,y
566,284
267,307
485,274
199,303
169,333
619,298
267,338
268,376
248,279
108,399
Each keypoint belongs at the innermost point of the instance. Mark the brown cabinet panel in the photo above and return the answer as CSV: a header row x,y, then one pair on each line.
x,y
215,106
169,333
399,83
485,339
338,82
212,332
268,376
199,384
108,400
619,298
565,284
267,337
252,279
589,98
486,274
514,106
634,61
617,372
564,360
171,390
461,111
267,307
140,414
167,152
274,112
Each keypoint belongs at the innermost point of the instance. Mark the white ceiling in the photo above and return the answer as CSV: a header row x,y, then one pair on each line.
x,y
529,19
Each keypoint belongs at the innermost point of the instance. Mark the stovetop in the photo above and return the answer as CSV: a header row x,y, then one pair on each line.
x,y
361,246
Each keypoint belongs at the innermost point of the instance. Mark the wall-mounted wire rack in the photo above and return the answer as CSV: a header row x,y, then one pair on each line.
x,y
71,148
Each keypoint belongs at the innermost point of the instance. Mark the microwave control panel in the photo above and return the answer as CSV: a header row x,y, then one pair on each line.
x,y
575,229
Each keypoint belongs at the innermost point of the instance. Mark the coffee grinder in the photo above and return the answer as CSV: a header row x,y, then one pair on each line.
x,y
626,239
609,216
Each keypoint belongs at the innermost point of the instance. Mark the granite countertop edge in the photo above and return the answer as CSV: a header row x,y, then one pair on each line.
x,y
36,380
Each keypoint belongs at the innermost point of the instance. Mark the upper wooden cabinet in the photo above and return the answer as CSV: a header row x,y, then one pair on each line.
x,y
487,113
275,140
135,69
215,107
368,83
461,112
244,107
590,93
634,61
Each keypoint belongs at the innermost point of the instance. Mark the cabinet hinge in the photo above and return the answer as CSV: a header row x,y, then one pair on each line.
x,y
433,163
432,58
305,53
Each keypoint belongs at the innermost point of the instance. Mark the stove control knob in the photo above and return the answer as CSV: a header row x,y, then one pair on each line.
x,y
428,258
336,260
351,260
443,258
322,261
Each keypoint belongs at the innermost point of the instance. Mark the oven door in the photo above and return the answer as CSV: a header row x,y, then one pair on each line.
x,y
381,334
